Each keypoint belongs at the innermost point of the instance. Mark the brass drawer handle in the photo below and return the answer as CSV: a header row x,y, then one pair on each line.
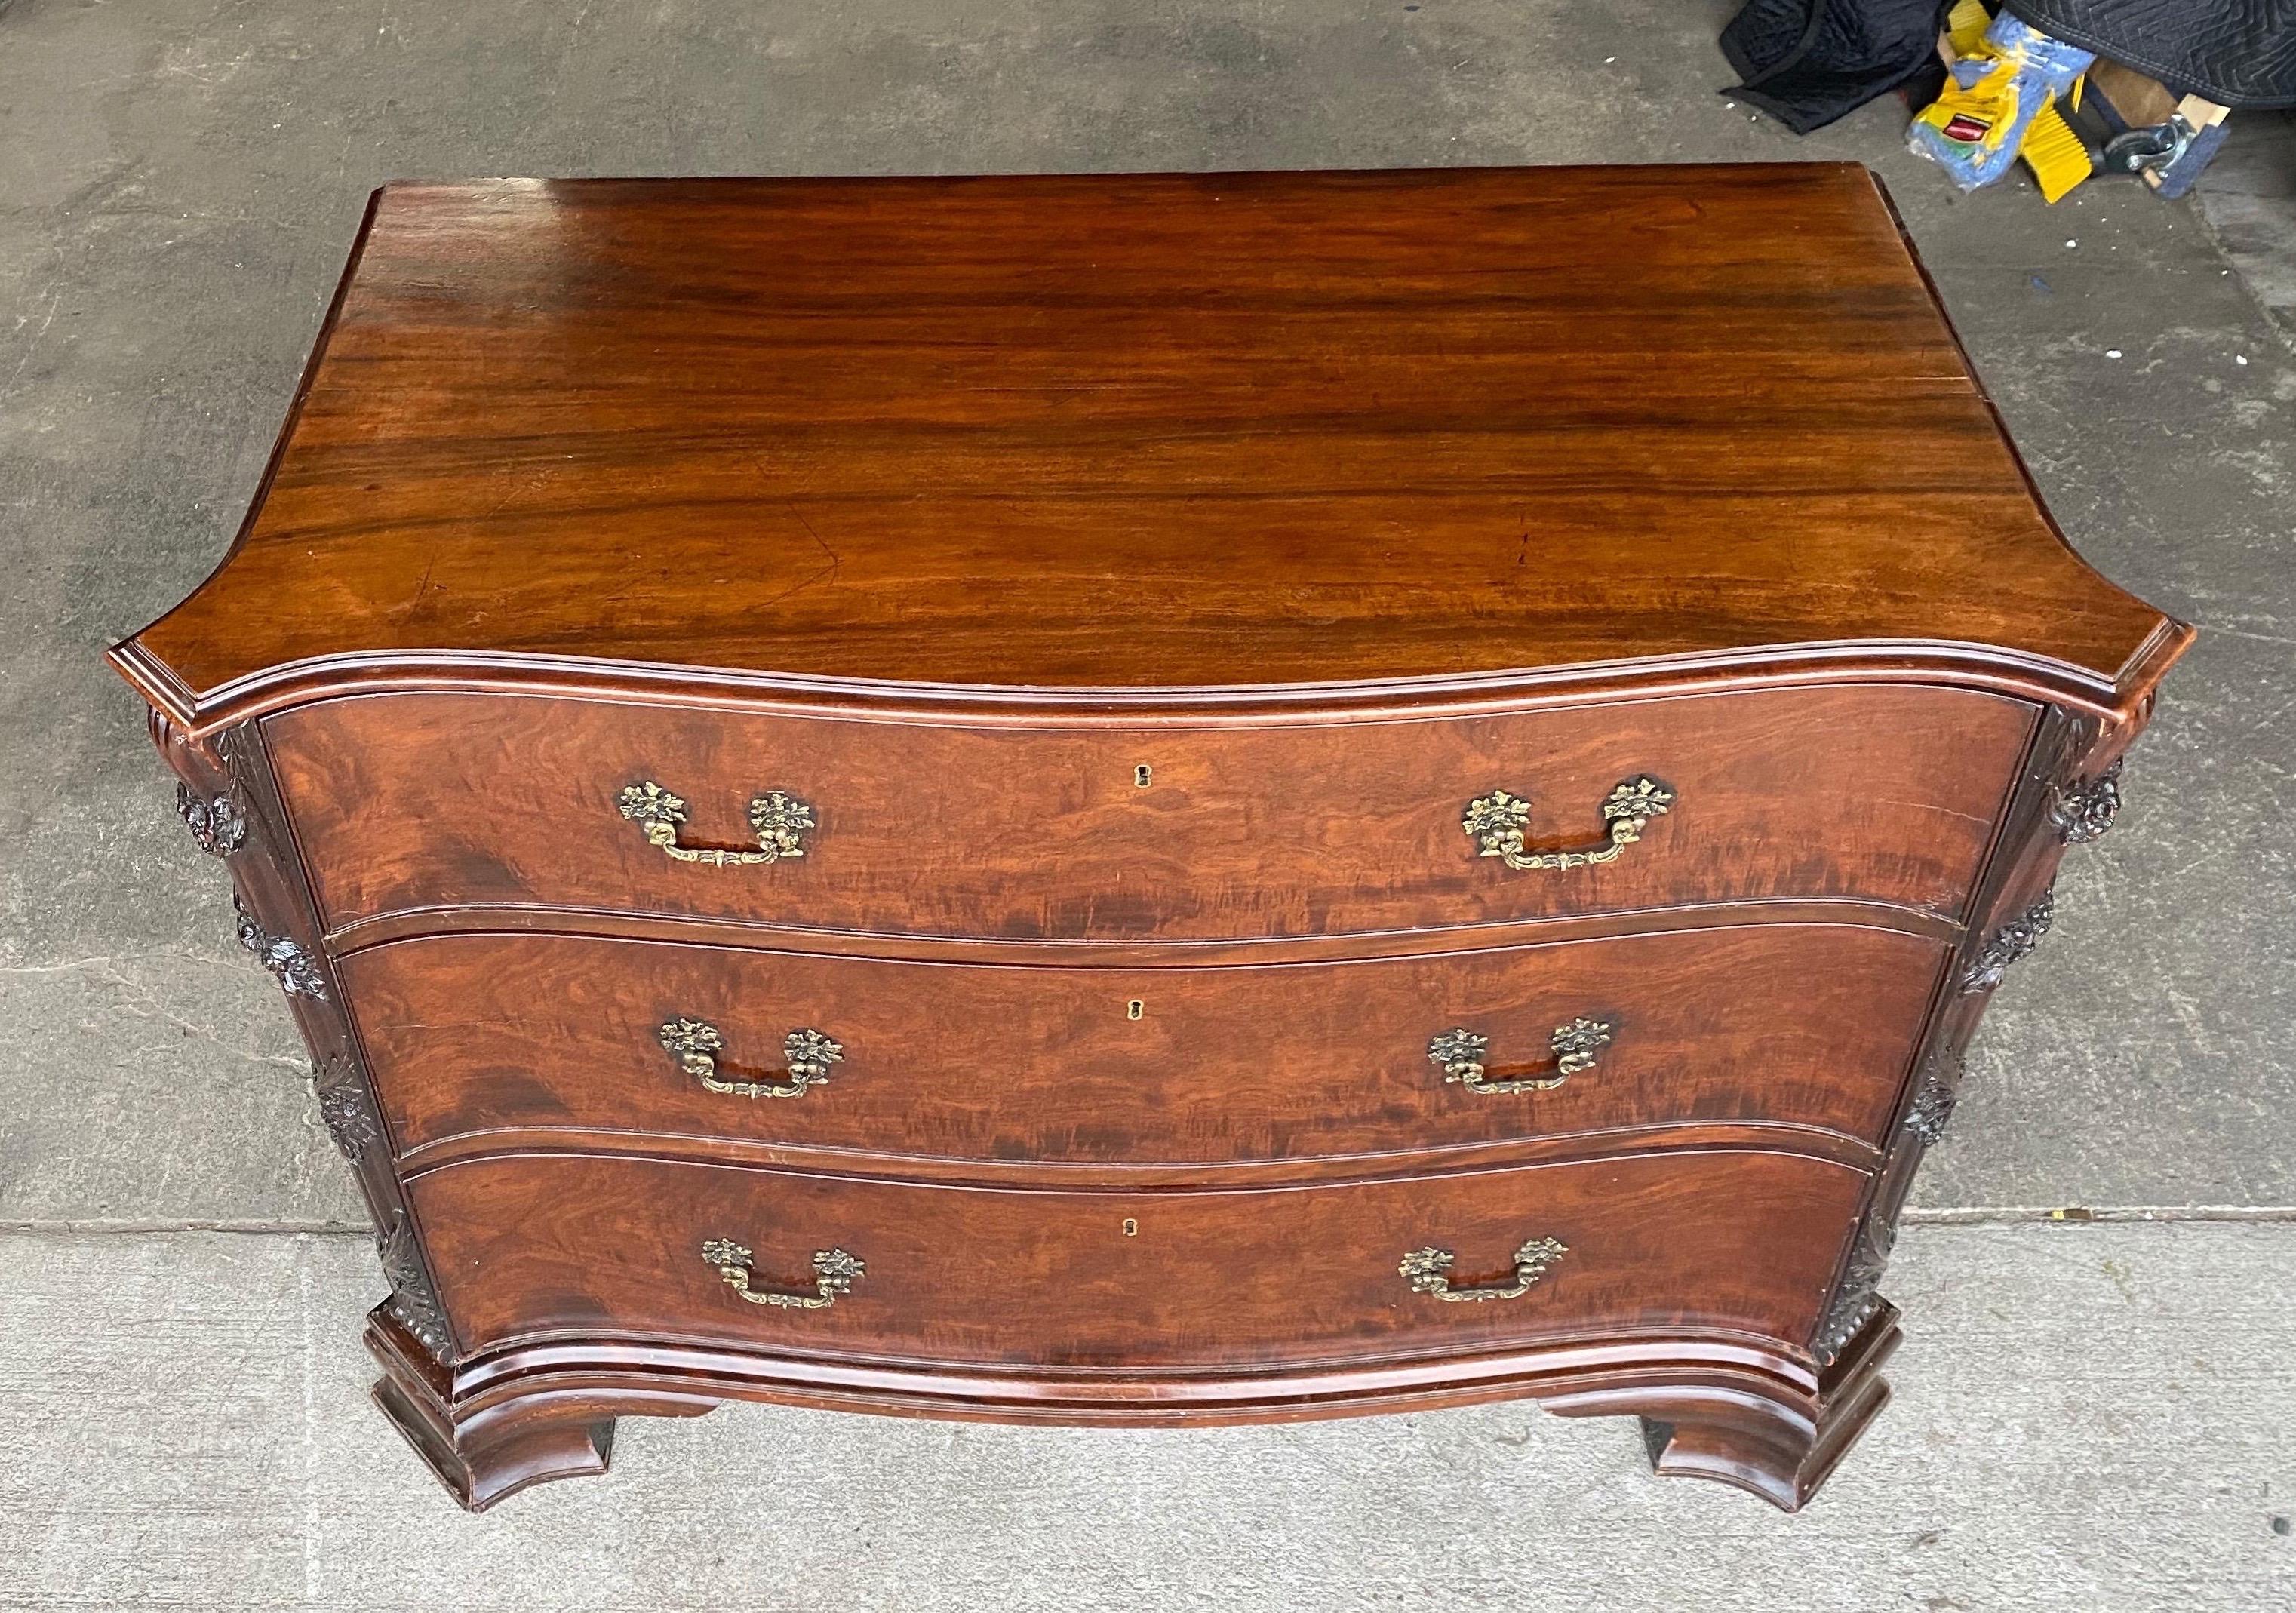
x,y
1496,821
833,1272
696,1045
1428,1271
1577,1045
779,822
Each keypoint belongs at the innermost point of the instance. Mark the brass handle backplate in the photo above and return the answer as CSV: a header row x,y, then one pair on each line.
x,y
1575,1047
833,1272
778,821
696,1045
1497,821
1428,1271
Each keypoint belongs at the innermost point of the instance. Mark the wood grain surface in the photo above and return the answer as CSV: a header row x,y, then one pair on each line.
x,y
1136,576
444,801
1140,431
487,1037
536,1246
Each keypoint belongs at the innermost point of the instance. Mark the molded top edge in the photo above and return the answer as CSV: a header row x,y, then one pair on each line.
x,y
1158,441
1976,667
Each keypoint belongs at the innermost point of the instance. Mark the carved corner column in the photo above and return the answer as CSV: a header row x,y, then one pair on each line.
x,y
484,1442
2069,795
1778,1432
227,798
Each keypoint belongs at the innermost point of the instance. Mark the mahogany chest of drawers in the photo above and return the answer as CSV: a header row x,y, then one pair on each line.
x,y
1142,800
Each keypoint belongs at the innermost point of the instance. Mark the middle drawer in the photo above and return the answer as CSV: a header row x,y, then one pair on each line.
x,y
1806,1025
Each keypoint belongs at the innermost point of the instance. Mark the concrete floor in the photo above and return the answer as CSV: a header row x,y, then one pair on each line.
x,y
179,180
2249,203
2089,1418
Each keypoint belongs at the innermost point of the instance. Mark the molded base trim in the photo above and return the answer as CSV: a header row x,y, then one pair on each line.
x,y
1784,1461
483,1453
1744,1413
479,1472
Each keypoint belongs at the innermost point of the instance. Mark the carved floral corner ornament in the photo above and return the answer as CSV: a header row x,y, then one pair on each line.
x,y
296,970
1932,1107
2082,811
215,822
351,1118
412,1300
2010,944
2078,813
1858,1300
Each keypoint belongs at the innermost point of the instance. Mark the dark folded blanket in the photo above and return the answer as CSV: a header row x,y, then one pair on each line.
x,y
1807,63
2237,52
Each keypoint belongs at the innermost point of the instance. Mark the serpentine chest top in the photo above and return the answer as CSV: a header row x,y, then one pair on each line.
x,y
1137,799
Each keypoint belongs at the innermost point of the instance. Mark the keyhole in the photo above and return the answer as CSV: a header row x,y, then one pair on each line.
x,y
1135,1009
1131,1227
1142,775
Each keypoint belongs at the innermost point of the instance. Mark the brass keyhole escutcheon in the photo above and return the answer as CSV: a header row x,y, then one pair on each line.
x,y
1135,1009
1144,775
1131,1227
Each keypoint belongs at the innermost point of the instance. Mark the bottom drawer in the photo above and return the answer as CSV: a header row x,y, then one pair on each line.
x,y
538,1247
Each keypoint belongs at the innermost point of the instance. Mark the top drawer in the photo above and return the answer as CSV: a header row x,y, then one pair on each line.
x,y
413,801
